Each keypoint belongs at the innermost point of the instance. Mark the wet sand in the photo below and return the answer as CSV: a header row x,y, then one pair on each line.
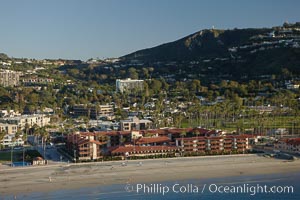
x,y
14,181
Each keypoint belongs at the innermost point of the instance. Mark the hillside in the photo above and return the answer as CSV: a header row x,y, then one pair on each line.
x,y
238,51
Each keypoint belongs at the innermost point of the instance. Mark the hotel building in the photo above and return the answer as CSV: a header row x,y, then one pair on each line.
x,y
85,146
214,144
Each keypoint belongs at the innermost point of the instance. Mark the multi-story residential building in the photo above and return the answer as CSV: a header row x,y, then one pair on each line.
x,y
8,113
291,145
106,110
9,141
94,145
9,138
135,123
129,85
214,144
21,121
9,78
37,81
93,111
85,146
9,128
150,136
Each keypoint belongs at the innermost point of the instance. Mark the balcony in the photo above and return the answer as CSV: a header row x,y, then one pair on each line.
x,y
84,148
201,143
214,142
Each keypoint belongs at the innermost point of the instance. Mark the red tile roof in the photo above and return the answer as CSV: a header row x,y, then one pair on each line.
x,y
160,132
215,137
291,141
148,140
97,142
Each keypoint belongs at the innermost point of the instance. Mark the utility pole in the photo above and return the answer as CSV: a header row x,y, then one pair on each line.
x,y
44,148
23,155
11,155
75,155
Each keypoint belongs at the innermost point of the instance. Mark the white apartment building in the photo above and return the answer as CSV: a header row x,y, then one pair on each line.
x,y
9,78
38,119
8,141
129,85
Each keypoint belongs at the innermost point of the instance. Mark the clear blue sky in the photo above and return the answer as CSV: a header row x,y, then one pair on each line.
x,y
81,29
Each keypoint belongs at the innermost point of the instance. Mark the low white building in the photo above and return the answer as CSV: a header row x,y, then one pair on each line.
x,y
292,86
9,141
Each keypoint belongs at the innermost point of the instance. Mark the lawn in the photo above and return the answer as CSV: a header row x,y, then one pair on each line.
x,y
268,122
6,156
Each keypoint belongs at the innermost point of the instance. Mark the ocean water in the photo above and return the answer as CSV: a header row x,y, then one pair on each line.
x,y
229,188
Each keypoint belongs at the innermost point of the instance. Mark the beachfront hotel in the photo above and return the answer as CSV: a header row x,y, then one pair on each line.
x,y
84,146
215,144
95,145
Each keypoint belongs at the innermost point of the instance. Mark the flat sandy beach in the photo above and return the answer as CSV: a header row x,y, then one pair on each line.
x,y
20,180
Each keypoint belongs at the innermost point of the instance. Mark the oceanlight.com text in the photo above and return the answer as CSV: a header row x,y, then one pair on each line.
x,y
250,189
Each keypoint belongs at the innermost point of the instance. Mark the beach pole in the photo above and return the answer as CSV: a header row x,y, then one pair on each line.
x,y
23,155
11,155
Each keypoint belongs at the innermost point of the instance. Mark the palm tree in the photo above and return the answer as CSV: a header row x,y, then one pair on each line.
x,y
26,128
18,133
34,132
2,134
24,138
42,132
13,139
182,134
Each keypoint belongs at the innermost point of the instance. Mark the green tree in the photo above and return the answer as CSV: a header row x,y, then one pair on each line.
x,y
132,73
195,86
2,134
155,85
